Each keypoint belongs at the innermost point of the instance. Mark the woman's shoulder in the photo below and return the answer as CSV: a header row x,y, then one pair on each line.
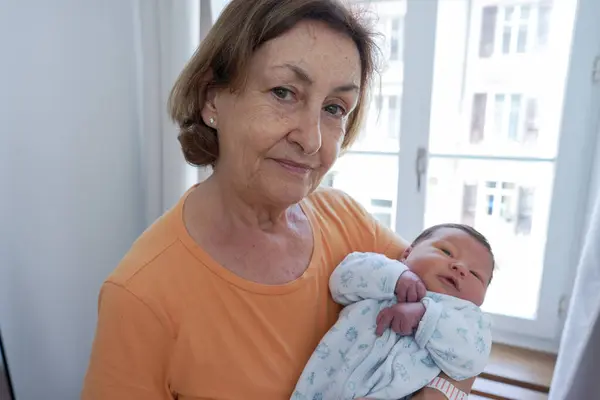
x,y
157,240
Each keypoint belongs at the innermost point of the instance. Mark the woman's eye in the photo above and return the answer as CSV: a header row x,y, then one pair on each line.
x,y
282,93
335,110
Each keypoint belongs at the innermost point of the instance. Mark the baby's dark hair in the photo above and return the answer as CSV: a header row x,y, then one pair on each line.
x,y
475,234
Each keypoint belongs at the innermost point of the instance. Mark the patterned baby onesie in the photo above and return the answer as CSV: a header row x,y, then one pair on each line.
x,y
351,361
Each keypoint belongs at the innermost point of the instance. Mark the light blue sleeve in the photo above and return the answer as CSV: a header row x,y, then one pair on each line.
x,y
363,276
457,335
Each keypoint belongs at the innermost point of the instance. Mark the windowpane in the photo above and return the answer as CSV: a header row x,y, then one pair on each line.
x,y
531,122
543,25
371,179
522,39
498,114
469,205
508,202
478,118
394,117
508,14
488,31
381,129
515,112
525,12
396,39
506,39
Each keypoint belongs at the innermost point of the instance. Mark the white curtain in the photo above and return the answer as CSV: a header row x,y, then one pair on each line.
x,y
577,370
168,33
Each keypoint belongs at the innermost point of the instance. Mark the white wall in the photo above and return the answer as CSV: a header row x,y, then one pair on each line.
x,y
70,198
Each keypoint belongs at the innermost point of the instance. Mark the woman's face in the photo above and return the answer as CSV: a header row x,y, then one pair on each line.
x,y
283,130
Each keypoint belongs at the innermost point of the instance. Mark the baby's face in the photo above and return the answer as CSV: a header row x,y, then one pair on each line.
x,y
452,262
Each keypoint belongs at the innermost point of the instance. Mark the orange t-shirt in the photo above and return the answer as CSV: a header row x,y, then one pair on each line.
x,y
173,324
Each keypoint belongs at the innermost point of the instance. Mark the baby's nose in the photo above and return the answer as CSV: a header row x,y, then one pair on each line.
x,y
460,269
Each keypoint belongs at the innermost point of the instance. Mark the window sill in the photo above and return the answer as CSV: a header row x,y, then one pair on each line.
x,y
515,373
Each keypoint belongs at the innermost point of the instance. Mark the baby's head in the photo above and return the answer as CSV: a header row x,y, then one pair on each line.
x,y
452,259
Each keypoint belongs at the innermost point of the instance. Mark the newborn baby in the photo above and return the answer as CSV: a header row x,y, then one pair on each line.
x,y
405,321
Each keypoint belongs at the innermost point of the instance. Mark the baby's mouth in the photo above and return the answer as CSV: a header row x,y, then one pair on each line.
x,y
450,281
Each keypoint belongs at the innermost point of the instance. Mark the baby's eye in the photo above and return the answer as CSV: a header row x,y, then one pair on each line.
x,y
476,275
446,252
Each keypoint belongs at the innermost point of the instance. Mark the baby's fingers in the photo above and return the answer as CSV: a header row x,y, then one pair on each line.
x,y
421,291
383,321
411,293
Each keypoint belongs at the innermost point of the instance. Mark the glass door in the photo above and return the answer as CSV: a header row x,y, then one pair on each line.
x,y
465,126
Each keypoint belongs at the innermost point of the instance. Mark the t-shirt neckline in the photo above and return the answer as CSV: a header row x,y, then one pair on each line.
x,y
206,260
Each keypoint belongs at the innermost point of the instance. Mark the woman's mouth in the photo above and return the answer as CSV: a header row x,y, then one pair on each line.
x,y
294,167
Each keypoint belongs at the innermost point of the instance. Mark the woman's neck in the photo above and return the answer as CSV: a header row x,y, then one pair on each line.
x,y
242,209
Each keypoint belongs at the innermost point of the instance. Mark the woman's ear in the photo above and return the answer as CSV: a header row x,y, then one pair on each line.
x,y
406,253
209,108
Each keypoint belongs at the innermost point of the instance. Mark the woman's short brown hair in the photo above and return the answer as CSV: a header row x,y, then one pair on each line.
x,y
223,56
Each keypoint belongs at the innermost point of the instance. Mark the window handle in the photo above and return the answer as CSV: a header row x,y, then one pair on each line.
x,y
420,165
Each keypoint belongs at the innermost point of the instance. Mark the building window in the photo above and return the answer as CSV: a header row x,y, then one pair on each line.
x,y
488,31
514,117
514,29
469,204
381,209
525,210
531,130
329,179
500,200
397,39
543,27
478,118
394,117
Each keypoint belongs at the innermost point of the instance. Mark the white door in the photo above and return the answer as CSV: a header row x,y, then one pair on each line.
x,y
468,125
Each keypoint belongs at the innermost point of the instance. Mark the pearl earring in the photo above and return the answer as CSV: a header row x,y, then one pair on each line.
x,y
211,121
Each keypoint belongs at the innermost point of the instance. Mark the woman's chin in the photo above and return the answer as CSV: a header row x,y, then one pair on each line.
x,y
287,195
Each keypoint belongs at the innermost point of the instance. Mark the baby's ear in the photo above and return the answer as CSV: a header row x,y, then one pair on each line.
x,y
406,253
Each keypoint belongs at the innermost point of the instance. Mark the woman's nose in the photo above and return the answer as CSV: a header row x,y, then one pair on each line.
x,y
308,134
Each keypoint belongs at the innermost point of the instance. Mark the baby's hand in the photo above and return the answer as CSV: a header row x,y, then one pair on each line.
x,y
410,288
403,318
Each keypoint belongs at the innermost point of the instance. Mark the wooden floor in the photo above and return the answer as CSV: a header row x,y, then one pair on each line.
x,y
515,374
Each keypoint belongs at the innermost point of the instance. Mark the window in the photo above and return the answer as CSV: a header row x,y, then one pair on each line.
x,y
531,122
488,31
525,211
514,29
329,179
500,201
394,117
478,118
382,211
469,204
515,118
475,99
396,39
543,28
499,114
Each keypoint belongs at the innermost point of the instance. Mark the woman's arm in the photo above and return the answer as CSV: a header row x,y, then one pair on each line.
x,y
434,394
130,352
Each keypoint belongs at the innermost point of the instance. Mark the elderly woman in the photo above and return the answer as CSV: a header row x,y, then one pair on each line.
x,y
226,295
